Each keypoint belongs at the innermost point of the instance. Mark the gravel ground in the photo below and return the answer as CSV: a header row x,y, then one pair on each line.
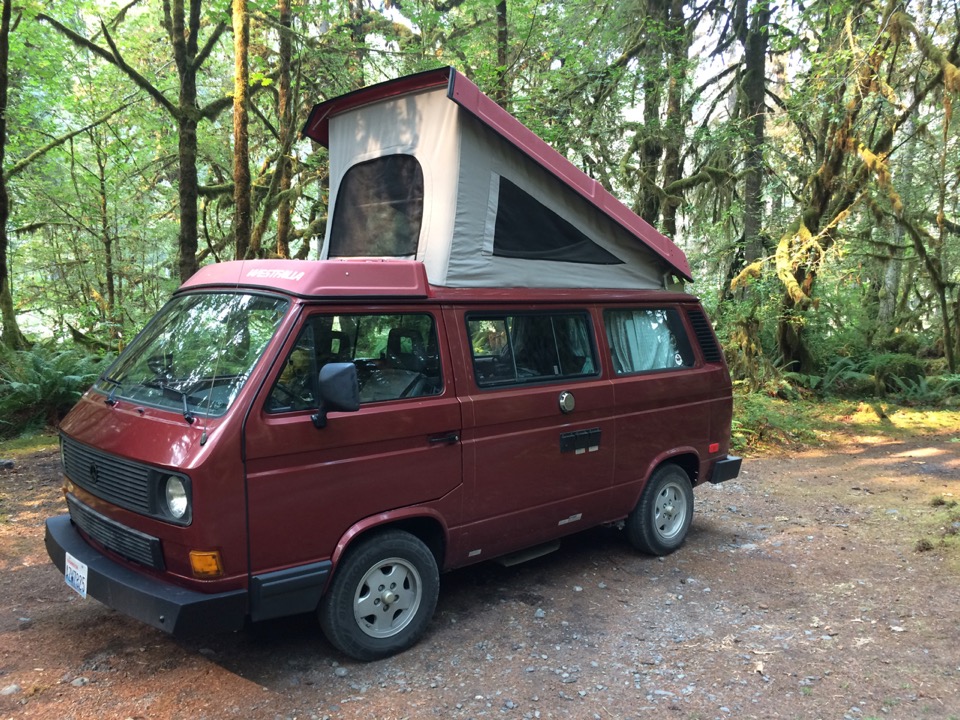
x,y
820,584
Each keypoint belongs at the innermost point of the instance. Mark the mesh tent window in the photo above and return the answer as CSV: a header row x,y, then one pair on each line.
x,y
528,229
379,209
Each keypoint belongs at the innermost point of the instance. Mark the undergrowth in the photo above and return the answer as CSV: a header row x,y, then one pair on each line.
x,y
941,529
764,424
38,386
761,422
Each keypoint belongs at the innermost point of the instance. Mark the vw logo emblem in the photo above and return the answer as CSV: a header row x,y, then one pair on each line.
x,y
94,473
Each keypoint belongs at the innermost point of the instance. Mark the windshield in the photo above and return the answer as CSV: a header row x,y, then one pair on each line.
x,y
196,353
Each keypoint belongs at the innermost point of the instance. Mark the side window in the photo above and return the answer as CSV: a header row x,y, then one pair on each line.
x,y
647,340
396,357
528,347
296,388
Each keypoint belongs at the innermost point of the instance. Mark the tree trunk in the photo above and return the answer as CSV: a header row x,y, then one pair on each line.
x,y
674,119
12,337
241,139
892,267
284,102
501,92
754,89
650,151
107,239
188,192
184,33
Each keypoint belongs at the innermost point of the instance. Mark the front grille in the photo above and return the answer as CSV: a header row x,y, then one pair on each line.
x,y
118,481
130,543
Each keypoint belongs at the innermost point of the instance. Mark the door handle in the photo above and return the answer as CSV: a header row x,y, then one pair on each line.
x,y
449,439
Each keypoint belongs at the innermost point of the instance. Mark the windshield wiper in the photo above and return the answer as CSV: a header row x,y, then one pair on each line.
x,y
112,397
187,415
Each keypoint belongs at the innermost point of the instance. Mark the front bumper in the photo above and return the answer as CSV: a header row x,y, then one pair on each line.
x,y
167,607
726,469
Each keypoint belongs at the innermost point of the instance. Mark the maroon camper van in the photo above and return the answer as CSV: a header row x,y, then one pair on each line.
x,y
490,356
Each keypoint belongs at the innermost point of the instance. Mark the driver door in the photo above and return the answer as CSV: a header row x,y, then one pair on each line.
x,y
307,486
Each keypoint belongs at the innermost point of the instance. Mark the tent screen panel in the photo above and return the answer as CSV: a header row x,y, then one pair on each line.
x,y
379,209
528,229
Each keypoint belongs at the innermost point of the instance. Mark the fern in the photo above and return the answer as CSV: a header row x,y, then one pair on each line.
x,y
925,392
843,376
38,386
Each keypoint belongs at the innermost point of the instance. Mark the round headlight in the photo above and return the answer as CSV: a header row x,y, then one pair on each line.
x,y
177,500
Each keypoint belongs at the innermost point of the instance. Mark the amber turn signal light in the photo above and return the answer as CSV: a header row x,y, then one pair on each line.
x,y
206,563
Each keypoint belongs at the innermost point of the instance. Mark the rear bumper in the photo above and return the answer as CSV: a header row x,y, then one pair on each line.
x,y
167,607
726,469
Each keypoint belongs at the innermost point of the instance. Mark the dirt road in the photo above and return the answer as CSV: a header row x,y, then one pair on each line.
x,y
817,585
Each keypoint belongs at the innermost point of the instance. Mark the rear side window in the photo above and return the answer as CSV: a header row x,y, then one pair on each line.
x,y
646,340
519,348
396,357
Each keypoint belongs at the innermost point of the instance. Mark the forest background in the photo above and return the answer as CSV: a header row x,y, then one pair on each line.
x,y
805,155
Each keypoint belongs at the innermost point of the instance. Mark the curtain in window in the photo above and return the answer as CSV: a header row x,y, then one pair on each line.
x,y
573,338
640,340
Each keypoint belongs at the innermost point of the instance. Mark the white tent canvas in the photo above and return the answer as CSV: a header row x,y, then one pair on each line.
x,y
428,168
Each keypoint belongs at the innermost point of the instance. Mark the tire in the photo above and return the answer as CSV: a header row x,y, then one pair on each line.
x,y
382,596
659,523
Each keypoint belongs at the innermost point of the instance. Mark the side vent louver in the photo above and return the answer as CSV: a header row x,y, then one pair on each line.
x,y
708,343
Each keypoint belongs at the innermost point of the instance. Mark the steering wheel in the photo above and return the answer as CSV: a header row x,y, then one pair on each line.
x,y
415,384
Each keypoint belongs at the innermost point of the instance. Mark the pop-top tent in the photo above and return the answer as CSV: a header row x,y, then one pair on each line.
x,y
427,167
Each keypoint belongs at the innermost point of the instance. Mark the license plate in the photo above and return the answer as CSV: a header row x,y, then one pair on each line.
x,y
75,573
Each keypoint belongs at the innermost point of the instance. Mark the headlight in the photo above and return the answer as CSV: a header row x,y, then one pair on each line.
x,y
178,500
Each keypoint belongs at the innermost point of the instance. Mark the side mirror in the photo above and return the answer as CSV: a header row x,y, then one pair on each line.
x,y
339,390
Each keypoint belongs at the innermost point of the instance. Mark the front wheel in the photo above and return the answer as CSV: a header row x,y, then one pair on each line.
x,y
659,523
382,596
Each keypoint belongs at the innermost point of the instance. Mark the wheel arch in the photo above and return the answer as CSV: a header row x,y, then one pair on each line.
x,y
686,459
422,523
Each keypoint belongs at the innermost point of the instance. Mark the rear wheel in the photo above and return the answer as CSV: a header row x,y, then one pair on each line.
x,y
382,596
659,523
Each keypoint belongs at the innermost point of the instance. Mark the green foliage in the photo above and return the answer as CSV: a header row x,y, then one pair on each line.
x,y
891,370
30,442
38,386
924,392
948,385
844,377
760,420
900,377
900,343
627,91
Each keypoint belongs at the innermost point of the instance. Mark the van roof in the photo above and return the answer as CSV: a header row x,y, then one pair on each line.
x,y
386,280
318,278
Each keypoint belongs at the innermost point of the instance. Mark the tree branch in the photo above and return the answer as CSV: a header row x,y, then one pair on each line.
x,y
56,142
113,57
209,45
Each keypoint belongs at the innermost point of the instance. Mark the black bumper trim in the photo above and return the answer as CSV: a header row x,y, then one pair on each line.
x,y
288,592
167,607
726,469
